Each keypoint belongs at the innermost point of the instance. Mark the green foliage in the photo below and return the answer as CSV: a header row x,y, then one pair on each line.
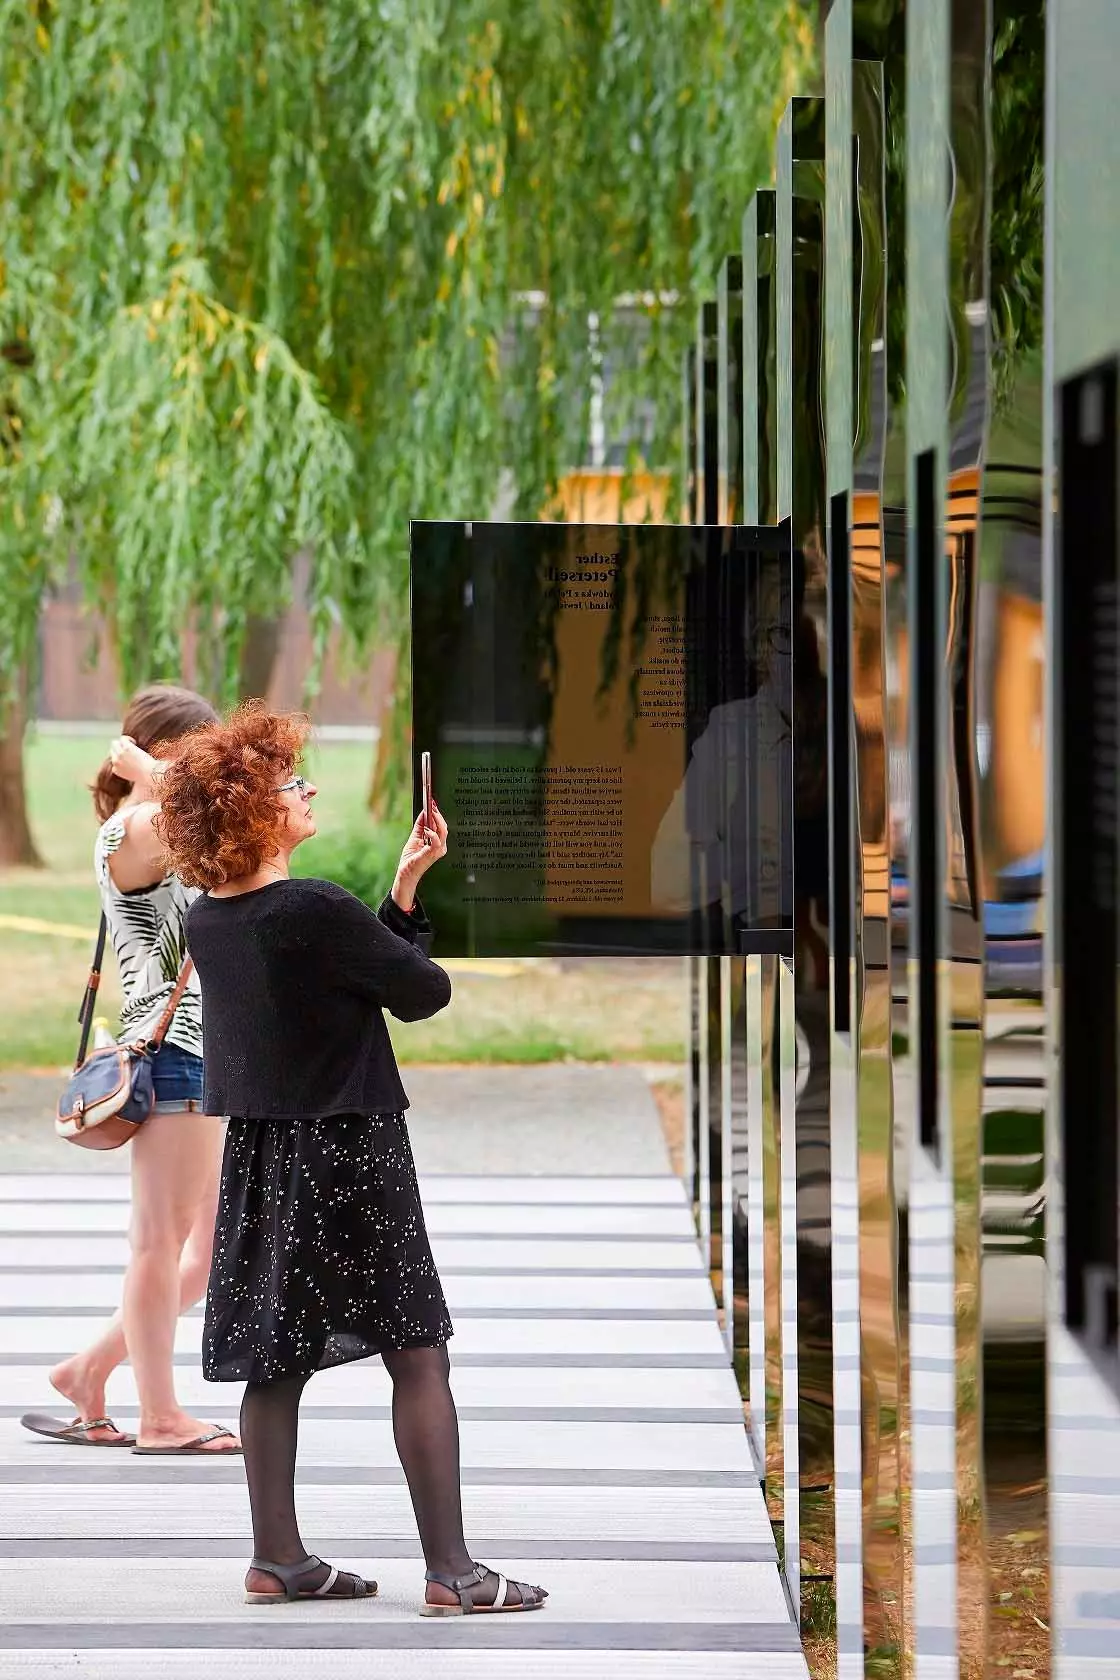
x,y
264,272
1015,194
1017,211
363,860
203,425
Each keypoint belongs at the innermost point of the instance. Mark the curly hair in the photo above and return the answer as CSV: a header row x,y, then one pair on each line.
x,y
220,814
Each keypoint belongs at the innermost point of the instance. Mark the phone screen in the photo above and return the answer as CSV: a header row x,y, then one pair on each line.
x,y
426,787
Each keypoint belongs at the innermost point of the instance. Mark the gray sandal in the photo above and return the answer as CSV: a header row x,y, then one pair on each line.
x,y
289,1576
532,1598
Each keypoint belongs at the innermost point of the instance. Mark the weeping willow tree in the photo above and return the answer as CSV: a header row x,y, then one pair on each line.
x,y
264,271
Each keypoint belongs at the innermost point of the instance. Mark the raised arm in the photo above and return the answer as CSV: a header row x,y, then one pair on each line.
x,y
380,957
139,860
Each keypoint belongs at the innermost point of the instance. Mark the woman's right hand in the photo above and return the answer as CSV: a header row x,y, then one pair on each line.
x,y
423,847
132,764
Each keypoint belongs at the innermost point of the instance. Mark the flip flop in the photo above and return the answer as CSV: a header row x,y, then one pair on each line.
x,y
75,1434
198,1447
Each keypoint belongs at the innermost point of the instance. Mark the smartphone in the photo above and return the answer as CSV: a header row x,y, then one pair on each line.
x,y
426,788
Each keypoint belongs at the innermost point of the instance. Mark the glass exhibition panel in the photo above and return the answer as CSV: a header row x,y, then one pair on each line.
x,y
587,693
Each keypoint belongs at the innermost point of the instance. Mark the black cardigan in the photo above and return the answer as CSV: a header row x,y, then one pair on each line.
x,y
295,976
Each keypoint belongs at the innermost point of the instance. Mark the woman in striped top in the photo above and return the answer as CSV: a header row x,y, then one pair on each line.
x,y
176,1153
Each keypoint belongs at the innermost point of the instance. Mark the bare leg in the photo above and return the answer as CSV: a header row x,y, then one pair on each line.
x,y
82,1378
175,1163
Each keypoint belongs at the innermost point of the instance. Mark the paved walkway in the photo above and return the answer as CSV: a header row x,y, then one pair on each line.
x,y
603,1447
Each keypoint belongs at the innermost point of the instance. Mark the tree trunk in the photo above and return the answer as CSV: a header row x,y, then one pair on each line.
x,y
16,844
258,656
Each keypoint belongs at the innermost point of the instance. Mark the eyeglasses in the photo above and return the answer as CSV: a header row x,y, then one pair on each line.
x,y
299,783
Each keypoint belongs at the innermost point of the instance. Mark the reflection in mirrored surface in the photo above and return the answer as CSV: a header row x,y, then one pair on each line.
x,y
1081,591
731,1294
785,1096
1083,1227
693,1082
733,994
707,873
764,1142
970,53
760,351
729,333
881,705
805,1174
865,1230
1012,794
880,1379
967,1014
839,283
932,1273
756,1277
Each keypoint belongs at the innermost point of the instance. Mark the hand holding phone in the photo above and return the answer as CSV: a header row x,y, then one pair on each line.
x,y
426,786
425,845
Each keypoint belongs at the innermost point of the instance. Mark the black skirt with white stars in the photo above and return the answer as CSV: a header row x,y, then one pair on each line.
x,y
321,1255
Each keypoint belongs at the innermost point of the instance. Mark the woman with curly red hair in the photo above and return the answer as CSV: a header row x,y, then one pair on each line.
x,y
321,1255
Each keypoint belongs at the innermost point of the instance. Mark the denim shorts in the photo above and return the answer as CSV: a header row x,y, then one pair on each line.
x,y
177,1080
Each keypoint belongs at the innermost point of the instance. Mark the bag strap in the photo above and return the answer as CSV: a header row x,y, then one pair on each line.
x,y
173,1002
85,1013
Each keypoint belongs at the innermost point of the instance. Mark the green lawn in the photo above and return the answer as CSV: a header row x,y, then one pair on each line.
x,y
59,770
588,1013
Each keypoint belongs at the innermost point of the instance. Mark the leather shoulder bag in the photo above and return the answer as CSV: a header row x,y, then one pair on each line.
x,y
109,1095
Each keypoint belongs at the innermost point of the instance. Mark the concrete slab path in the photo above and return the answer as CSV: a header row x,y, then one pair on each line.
x,y
603,1447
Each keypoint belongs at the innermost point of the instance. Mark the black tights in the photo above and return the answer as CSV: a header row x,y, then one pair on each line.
x,y
426,1432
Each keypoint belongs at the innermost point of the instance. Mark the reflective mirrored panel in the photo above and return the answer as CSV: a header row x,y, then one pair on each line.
x,y
1084,1365
846,1329
961,923
760,353
729,335
932,1276
693,1082
1011,754
706,871
759,271
953,983
865,1215
1080,589
806,1183
733,1024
